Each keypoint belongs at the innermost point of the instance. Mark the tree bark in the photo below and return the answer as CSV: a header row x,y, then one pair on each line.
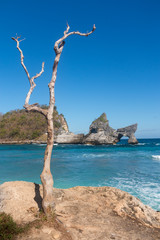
x,y
46,176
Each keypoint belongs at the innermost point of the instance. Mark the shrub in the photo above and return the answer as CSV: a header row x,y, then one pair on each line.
x,y
57,124
14,133
8,228
3,133
35,134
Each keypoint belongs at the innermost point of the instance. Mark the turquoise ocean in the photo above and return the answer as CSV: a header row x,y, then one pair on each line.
x,y
132,168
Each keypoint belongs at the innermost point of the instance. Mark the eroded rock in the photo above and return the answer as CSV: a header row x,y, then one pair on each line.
x,y
101,133
69,138
86,212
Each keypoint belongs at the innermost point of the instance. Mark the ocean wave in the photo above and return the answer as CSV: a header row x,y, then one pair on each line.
x,y
157,144
156,157
91,155
147,192
141,144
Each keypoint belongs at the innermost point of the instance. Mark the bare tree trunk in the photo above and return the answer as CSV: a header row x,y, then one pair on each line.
x,y
46,176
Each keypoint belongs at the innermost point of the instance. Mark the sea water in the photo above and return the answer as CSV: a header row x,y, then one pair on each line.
x,y
132,168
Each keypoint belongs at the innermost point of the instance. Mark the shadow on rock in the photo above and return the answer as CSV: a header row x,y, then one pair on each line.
x,y
38,198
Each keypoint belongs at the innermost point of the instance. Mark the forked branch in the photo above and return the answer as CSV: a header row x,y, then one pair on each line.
x,y
28,107
22,57
58,47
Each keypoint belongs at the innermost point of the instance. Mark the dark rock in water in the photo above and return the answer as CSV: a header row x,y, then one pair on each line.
x,y
101,133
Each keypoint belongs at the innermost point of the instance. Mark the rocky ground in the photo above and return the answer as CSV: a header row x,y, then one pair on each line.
x,y
82,213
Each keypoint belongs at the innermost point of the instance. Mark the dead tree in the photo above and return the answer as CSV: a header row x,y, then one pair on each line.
x,y
46,176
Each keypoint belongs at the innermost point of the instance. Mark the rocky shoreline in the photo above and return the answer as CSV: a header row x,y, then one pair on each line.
x,y
100,133
87,213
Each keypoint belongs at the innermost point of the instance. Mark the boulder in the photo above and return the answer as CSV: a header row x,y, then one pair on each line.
x,y
69,138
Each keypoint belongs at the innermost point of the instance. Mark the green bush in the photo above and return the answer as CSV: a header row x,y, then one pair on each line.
x,y
22,119
8,228
35,134
23,125
14,133
57,124
3,133
44,106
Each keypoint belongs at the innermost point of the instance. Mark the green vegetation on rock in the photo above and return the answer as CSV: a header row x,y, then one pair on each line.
x,y
22,125
102,118
8,228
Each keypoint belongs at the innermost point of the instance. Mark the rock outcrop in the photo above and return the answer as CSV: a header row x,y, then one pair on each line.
x,y
128,132
101,133
63,126
69,138
88,213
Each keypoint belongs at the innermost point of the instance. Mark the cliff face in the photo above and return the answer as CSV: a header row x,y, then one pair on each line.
x,y
101,133
62,127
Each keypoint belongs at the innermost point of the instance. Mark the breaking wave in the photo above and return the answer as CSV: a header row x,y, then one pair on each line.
x,y
156,157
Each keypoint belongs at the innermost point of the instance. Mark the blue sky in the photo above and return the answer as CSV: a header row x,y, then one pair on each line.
x,y
115,70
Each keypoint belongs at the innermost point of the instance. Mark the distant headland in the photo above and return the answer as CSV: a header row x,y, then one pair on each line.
x,y
21,127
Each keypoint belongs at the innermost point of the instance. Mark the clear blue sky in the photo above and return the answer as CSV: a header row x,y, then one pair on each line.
x,y
115,70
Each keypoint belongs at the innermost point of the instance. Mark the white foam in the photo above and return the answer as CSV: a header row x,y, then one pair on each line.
x,y
157,144
147,192
91,155
40,144
156,157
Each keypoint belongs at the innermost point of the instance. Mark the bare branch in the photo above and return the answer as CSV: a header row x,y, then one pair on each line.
x,y
33,85
58,46
66,31
34,108
38,74
31,80
22,39
22,57
81,34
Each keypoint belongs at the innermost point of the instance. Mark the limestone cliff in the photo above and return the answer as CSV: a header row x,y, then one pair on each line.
x,y
101,133
63,126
